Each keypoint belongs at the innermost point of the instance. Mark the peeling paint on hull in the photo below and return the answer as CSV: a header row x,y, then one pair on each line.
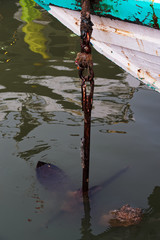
x,y
146,12
134,48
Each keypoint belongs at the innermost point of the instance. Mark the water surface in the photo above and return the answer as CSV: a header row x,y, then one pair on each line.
x,y
41,120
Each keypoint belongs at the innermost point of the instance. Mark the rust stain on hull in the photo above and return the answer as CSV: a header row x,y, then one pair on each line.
x,y
129,67
122,32
144,75
77,21
149,75
103,28
125,55
155,18
140,44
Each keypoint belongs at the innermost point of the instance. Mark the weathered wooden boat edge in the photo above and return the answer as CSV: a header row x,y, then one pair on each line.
x,y
138,60
134,48
136,11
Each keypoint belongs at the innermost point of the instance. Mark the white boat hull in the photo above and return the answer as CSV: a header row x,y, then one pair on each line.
x,y
134,48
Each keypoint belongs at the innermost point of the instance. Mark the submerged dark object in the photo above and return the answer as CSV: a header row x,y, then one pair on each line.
x,y
55,179
51,177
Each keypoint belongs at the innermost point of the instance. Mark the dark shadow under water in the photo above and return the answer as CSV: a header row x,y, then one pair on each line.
x,y
55,180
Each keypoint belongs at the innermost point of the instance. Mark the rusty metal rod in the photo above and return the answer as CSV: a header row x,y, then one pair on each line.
x,y
84,62
87,108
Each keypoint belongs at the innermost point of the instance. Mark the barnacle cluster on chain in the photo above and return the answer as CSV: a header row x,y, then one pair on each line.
x,y
84,58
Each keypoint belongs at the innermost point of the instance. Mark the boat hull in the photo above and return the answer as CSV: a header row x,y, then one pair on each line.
x,y
146,12
134,48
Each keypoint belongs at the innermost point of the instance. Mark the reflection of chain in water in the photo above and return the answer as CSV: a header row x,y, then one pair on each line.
x,y
86,225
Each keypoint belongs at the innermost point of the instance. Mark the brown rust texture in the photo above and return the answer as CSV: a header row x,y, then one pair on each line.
x,y
155,18
140,44
84,58
115,30
84,62
125,55
129,67
122,32
140,74
86,27
149,75
87,101
85,7
143,74
77,22
94,4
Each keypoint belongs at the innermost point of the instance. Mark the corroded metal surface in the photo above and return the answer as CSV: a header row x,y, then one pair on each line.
x,y
87,100
84,58
84,63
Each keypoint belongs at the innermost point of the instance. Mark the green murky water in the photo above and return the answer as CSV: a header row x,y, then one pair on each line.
x,y
41,120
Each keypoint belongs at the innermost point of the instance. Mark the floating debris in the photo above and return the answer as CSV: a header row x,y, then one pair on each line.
x,y
125,216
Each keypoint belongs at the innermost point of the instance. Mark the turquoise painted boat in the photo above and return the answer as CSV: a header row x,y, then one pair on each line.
x,y
145,12
133,47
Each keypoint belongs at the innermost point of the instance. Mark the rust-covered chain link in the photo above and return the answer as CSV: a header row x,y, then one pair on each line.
x,y
84,58
85,68
87,99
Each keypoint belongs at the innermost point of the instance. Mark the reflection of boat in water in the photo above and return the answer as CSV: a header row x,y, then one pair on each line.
x,y
111,110
133,47
33,28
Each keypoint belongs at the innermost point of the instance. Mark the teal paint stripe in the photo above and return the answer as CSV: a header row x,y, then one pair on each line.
x,y
141,11
44,4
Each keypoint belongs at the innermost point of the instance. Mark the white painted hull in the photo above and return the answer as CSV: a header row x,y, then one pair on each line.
x,y
134,48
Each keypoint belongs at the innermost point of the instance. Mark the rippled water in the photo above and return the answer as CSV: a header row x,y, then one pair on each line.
x,y
41,120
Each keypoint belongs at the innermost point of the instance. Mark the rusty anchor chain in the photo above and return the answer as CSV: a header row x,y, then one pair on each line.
x,y
85,70
84,58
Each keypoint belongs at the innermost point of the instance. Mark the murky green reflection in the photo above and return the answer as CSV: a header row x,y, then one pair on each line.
x,y
34,35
